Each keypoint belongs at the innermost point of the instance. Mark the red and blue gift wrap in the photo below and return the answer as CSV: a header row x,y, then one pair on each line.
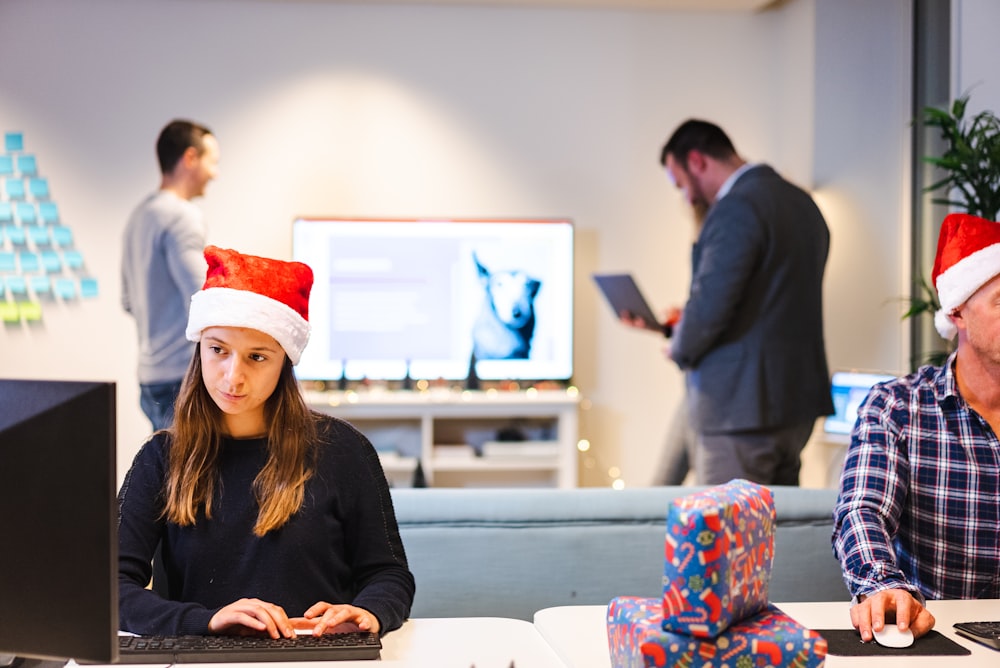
x,y
636,639
719,548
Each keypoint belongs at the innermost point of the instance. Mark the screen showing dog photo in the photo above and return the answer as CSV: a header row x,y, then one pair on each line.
x,y
428,295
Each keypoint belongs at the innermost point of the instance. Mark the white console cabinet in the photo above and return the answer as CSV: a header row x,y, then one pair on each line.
x,y
489,438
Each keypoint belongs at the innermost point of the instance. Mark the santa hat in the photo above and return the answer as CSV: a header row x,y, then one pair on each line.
x,y
968,256
268,295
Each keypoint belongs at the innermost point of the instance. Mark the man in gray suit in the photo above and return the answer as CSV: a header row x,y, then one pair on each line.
x,y
750,339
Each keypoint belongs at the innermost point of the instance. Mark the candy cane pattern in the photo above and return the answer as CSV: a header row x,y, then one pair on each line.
x,y
720,541
769,638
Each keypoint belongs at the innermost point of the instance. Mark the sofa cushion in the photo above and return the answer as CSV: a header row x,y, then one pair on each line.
x,y
511,552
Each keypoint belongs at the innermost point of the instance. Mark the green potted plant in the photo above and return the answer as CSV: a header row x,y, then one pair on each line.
x,y
971,162
970,183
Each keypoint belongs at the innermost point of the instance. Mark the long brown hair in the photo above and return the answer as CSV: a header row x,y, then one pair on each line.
x,y
196,438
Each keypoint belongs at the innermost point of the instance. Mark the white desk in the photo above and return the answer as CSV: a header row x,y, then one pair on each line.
x,y
463,642
578,634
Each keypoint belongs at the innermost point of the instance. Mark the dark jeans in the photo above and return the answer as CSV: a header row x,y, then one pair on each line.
x,y
157,401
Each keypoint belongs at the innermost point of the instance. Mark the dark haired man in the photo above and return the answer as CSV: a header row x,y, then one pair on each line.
x,y
163,263
750,337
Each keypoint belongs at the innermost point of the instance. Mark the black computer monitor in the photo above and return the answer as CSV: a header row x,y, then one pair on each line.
x,y
58,517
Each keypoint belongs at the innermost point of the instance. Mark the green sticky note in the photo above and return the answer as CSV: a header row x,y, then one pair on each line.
x,y
30,311
9,312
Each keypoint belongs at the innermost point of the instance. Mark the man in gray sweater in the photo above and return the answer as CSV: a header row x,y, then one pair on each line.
x,y
163,263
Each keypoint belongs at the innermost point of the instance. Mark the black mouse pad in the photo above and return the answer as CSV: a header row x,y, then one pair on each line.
x,y
847,642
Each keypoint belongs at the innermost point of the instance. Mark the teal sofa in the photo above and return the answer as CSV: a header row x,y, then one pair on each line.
x,y
510,552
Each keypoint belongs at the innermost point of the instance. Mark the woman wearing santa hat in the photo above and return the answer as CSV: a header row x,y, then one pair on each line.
x,y
264,516
917,518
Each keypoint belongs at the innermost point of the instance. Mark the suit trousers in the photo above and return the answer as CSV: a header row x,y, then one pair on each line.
x,y
765,456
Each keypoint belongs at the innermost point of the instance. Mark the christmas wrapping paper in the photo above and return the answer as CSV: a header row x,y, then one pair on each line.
x,y
718,553
636,639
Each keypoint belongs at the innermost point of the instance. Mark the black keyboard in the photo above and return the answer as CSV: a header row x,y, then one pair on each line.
x,y
214,649
987,633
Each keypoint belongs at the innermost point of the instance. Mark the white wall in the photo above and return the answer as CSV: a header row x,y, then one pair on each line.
x,y
974,54
362,109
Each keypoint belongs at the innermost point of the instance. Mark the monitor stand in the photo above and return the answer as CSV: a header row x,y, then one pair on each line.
x,y
8,661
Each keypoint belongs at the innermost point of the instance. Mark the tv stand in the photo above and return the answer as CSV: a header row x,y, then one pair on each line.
x,y
471,438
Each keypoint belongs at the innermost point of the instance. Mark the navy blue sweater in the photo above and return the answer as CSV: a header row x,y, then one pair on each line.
x,y
342,546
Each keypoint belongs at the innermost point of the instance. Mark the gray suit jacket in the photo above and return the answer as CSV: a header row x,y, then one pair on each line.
x,y
751,337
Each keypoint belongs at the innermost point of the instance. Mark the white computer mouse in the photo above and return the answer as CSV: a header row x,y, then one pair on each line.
x,y
891,636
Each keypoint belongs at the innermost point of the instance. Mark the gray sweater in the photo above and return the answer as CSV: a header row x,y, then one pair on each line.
x,y
163,264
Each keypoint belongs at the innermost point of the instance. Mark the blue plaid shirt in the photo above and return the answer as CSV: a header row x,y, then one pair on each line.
x,y
919,503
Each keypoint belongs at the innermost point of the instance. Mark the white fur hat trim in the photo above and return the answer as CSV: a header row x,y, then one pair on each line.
x,y
226,307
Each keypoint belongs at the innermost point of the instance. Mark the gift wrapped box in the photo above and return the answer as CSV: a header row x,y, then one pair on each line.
x,y
719,549
636,638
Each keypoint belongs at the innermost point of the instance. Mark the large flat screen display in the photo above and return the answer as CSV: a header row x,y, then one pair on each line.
x,y
422,297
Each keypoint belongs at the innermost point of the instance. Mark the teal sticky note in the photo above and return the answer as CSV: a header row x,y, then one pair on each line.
x,y
51,262
15,233
39,188
26,213
65,288
27,165
73,259
13,141
40,285
29,261
6,212
39,235
62,236
88,287
48,212
8,262
16,285
6,165
15,187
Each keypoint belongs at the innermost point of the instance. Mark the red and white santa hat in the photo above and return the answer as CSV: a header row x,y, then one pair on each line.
x,y
271,296
968,256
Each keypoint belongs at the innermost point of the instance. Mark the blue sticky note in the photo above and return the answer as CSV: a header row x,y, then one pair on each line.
x,y
8,262
6,165
73,259
65,288
39,188
27,165
40,285
88,287
48,212
29,261
15,188
51,262
15,233
26,212
62,235
16,285
14,141
39,235
6,212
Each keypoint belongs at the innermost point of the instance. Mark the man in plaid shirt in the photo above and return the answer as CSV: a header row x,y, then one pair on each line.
x,y
918,515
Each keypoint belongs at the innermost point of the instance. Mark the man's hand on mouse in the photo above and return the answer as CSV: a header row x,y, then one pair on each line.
x,y
888,606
